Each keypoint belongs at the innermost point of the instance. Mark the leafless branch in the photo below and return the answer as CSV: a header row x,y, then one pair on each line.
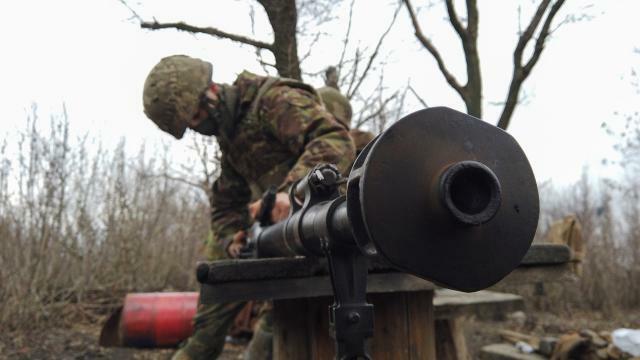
x,y
265,65
311,46
413,91
520,71
354,70
346,38
134,14
542,37
529,31
373,56
451,80
207,30
455,21
362,121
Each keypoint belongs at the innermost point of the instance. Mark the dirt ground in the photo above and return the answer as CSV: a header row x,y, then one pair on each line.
x,y
80,341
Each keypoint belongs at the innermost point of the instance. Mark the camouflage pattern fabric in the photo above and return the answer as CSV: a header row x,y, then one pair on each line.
x,y
280,130
274,142
337,104
172,92
211,325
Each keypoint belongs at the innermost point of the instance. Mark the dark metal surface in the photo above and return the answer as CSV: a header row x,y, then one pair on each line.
x,y
440,195
399,211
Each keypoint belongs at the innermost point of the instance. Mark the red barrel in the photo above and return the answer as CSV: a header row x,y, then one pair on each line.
x,y
152,320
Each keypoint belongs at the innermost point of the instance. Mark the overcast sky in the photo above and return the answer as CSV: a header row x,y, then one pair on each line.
x,y
93,57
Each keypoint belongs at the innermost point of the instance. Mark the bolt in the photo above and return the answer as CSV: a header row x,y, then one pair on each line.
x,y
353,317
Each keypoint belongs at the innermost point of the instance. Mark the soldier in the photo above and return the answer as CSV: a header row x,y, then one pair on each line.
x,y
271,132
339,106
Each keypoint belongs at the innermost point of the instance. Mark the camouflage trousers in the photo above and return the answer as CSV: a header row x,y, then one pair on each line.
x,y
212,323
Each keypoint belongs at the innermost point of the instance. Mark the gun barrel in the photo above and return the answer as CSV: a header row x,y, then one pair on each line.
x,y
440,195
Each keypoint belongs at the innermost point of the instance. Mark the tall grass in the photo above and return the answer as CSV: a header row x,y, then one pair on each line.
x,y
80,225
609,213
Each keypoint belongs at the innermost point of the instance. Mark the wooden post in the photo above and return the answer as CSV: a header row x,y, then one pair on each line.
x,y
290,330
451,341
404,327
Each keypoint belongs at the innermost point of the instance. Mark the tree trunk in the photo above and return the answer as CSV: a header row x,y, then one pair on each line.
x,y
283,17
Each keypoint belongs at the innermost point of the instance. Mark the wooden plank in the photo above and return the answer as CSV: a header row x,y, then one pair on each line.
x,y
304,288
376,283
322,344
506,352
231,270
290,330
390,335
536,274
546,254
488,305
420,314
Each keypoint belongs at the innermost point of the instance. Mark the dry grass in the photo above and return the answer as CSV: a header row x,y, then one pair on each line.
x,y
610,216
81,225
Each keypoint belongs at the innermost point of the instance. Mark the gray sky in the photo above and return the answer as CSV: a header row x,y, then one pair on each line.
x,y
89,55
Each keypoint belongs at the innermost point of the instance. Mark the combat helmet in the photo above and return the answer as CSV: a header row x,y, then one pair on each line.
x,y
337,104
173,90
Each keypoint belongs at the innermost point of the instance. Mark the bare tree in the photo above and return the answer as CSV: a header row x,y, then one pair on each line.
x,y
283,17
355,65
537,31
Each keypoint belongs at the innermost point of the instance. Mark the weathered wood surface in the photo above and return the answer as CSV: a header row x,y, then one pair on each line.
x,y
300,267
451,343
546,254
404,327
315,286
272,279
506,352
484,304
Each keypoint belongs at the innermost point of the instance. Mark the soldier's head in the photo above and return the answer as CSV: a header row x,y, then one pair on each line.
x,y
179,94
337,104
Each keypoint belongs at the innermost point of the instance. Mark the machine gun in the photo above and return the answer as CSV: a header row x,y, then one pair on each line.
x,y
440,195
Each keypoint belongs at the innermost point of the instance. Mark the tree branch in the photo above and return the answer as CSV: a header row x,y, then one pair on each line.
x,y
376,113
455,21
374,54
453,82
154,25
528,32
542,37
520,72
134,14
413,91
346,38
472,18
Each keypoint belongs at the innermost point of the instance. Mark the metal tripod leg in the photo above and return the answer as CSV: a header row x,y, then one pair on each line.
x,y
351,318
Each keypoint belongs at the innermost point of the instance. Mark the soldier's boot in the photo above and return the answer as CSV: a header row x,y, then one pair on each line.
x,y
211,325
261,345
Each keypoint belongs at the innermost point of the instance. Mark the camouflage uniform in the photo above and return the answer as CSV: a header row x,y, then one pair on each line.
x,y
275,132
339,106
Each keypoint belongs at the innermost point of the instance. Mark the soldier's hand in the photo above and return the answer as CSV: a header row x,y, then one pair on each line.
x,y
280,209
236,245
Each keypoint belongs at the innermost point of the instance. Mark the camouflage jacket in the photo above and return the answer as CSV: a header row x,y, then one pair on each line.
x,y
279,132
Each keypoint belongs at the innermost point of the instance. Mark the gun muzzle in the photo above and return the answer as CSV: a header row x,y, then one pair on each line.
x,y
440,194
